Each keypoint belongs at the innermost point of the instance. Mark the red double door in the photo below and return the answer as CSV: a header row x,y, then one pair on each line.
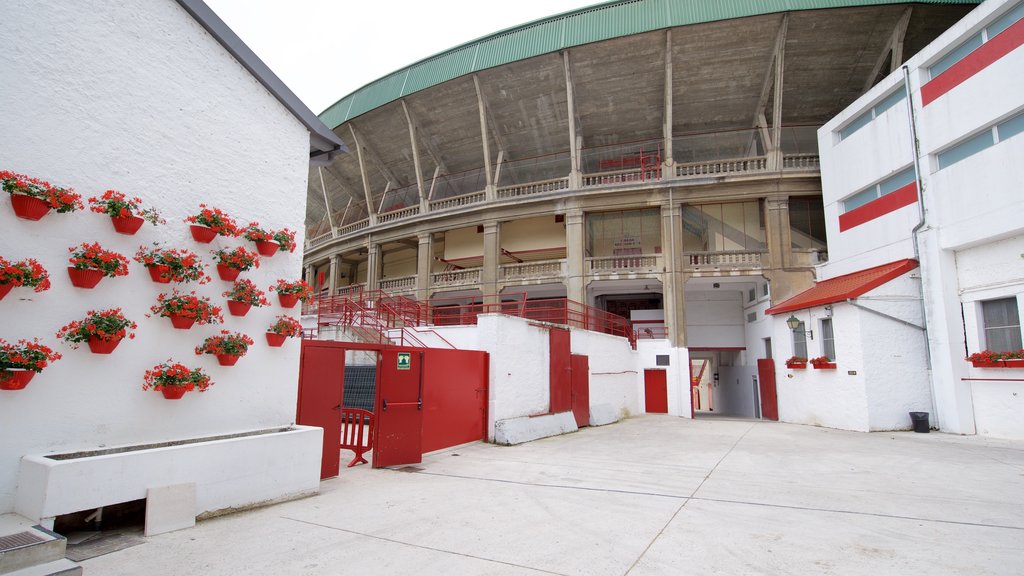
x,y
569,378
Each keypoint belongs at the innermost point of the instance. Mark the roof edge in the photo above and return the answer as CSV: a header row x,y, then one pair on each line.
x,y
901,268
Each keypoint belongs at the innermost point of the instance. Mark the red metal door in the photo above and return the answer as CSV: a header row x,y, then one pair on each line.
x,y
581,389
766,387
560,370
321,386
655,392
399,409
454,398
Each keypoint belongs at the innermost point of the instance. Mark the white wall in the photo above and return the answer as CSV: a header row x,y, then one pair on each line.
x,y
615,381
138,98
714,318
677,373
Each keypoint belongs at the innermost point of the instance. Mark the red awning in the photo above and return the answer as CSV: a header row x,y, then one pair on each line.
x,y
844,287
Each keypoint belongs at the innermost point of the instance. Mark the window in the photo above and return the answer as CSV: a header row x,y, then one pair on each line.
x,y
767,347
800,341
875,111
1001,321
989,137
752,317
764,289
890,184
751,295
828,342
974,42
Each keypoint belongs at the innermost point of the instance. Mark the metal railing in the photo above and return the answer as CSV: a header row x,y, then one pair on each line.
x,y
638,263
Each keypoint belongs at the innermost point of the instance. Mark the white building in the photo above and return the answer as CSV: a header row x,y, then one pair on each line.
x,y
953,205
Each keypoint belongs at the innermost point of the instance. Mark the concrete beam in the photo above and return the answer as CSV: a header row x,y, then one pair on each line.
x,y
373,157
770,78
415,154
485,140
574,140
666,125
432,150
362,173
893,46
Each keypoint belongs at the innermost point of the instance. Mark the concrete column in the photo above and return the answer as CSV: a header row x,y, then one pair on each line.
x,y
490,190
492,260
778,235
667,159
575,177
424,263
373,264
310,275
674,279
575,256
332,276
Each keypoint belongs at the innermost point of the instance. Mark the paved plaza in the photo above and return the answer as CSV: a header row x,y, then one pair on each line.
x,y
649,495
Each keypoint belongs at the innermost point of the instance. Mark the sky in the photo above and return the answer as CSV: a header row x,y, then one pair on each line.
x,y
326,49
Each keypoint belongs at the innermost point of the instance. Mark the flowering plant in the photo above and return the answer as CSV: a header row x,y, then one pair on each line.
x,y
198,308
254,233
239,258
796,360
247,292
116,205
108,325
286,326
28,273
300,288
171,374
184,265
215,219
26,355
94,257
820,360
59,199
228,343
286,238
990,356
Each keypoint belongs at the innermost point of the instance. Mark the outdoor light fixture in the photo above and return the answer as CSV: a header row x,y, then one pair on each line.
x,y
794,324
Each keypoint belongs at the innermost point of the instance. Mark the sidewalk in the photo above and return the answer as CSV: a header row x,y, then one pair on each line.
x,y
650,495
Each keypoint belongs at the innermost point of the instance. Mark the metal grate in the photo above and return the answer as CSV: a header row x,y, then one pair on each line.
x,y
19,540
360,386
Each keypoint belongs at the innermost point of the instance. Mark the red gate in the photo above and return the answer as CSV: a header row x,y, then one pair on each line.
x,y
399,408
766,387
560,370
581,389
655,391
321,386
454,398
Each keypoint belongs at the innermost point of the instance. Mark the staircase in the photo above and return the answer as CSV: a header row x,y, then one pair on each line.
x,y
374,317
31,550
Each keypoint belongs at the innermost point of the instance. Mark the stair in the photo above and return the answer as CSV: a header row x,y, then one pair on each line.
x,y
31,550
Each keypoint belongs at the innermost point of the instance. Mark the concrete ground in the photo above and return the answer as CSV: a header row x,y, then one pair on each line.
x,y
650,495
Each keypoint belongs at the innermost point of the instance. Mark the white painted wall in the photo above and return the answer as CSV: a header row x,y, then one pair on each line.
x,y
714,318
139,98
677,373
615,381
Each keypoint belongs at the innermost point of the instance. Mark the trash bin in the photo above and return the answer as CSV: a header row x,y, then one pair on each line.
x,y
920,421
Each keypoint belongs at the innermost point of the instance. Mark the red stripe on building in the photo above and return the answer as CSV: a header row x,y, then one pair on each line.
x,y
879,207
1004,43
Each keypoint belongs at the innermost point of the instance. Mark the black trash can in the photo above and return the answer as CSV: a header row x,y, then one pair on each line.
x,y
920,420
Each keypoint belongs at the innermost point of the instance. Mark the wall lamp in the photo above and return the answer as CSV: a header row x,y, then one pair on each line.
x,y
794,324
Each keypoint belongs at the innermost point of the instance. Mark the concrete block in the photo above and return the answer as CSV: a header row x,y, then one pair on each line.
x,y
601,414
62,567
527,429
170,508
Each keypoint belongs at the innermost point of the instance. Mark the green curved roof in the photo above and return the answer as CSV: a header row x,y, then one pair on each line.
x,y
582,26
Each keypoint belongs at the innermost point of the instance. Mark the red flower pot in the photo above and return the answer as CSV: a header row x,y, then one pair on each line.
x,y
202,234
984,364
227,272
238,308
797,365
827,366
15,379
129,225
4,289
173,392
227,359
266,248
275,340
160,273
181,322
87,278
99,346
288,300
1014,363
29,207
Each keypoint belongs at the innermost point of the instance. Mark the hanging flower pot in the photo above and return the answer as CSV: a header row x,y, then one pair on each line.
x,y
15,379
267,248
103,331
4,289
238,308
32,198
160,274
27,273
227,359
90,263
129,225
87,278
184,310
173,380
231,262
288,300
228,347
100,346
228,273
284,327
211,222
275,340
125,213
289,293
173,392
268,242
202,234
179,265
182,322
28,207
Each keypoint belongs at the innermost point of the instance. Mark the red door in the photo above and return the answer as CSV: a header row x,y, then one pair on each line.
x,y
454,398
655,392
581,389
766,387
560,370
321,385
399,408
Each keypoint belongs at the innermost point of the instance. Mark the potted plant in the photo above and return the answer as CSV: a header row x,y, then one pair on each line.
x,y
228,347
21,361
285,327
127,214
286,239
796,363
28,273
174,379
987,359
90,263
1014,359
291,292
822,363
243,295
184,310
32,198
172,265
210,223
102,330
230,263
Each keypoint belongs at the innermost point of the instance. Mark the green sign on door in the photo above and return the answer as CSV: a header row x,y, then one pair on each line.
x,y
404,360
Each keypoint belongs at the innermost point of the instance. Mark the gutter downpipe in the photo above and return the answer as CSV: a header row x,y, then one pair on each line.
x,y
922,220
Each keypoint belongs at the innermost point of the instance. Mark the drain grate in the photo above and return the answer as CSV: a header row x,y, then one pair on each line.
x,y
19,540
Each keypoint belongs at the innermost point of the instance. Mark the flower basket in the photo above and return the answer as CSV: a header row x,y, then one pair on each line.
x,y
822,363
90,263
28,273
275,340
1014,362
288,293
227,273
181,265
796,363
269,242
990,359
174,379
284,327
103,330
243,295
267,248
228,347
87,279
237,308
210,223
160,274
23,356
32,199
15,379
184,310
231,262
125,213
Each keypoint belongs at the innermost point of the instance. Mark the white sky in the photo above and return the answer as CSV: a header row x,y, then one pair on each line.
x,y
325,49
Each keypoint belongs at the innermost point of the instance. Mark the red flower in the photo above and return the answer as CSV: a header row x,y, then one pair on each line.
x,y
93,256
